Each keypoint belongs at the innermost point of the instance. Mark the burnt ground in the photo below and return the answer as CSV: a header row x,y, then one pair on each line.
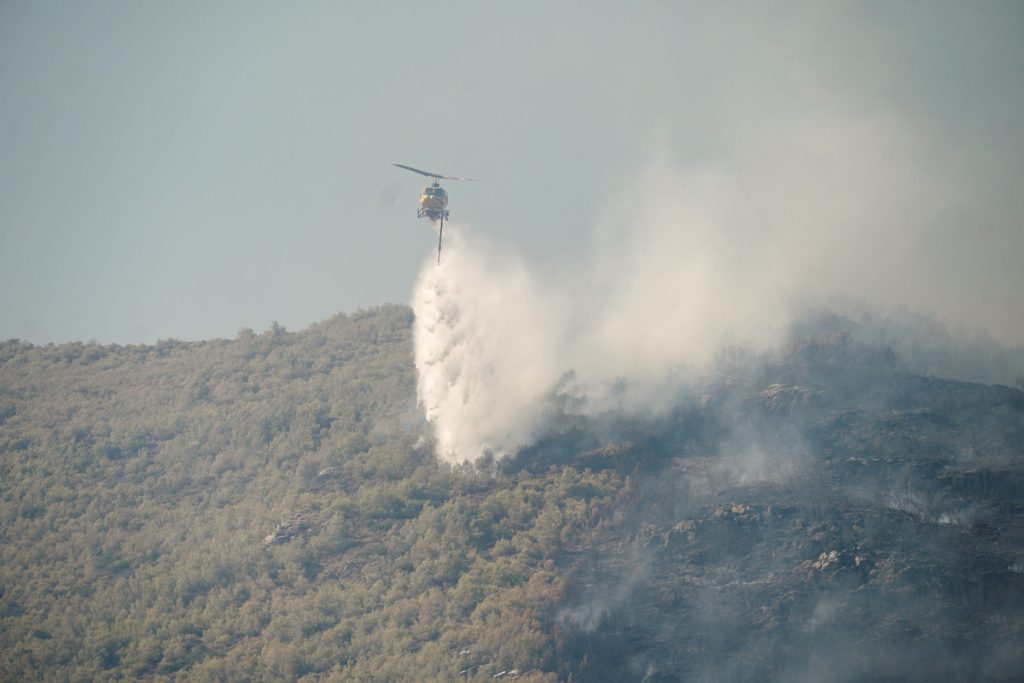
x,y
827,516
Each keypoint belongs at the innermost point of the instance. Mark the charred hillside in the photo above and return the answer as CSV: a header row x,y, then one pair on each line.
x,y
270,508
853,522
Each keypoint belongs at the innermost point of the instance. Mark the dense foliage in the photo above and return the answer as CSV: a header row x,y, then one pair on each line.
x,y
140,483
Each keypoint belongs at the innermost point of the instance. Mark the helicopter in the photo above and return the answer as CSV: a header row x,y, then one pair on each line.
x,y
434,200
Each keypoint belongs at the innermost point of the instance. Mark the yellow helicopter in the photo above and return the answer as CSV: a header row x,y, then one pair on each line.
x,y
434,200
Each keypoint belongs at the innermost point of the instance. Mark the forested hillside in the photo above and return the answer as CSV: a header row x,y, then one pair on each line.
x,y
263,508
270,508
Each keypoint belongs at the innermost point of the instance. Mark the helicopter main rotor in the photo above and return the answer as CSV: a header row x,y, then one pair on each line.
x,y
435,176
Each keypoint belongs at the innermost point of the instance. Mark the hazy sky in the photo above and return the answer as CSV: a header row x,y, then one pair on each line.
x,y
187,169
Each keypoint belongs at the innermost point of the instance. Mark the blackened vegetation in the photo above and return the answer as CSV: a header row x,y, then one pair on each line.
x,y
860,523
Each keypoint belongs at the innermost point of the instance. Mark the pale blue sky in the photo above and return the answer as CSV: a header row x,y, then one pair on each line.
x,y
187,169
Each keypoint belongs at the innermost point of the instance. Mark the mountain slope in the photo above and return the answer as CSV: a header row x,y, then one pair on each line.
x,y
269,508
855,523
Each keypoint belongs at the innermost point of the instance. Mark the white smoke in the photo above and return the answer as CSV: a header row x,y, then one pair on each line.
x,y
486,340
686,261
653,304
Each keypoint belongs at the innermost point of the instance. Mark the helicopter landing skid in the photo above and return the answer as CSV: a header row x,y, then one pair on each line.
x,y
432,214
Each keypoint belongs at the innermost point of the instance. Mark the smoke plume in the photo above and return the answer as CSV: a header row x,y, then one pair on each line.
x,y
487,338
495,340
686,261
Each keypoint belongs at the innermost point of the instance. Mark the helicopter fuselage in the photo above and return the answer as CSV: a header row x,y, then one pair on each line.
x,y
433,203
